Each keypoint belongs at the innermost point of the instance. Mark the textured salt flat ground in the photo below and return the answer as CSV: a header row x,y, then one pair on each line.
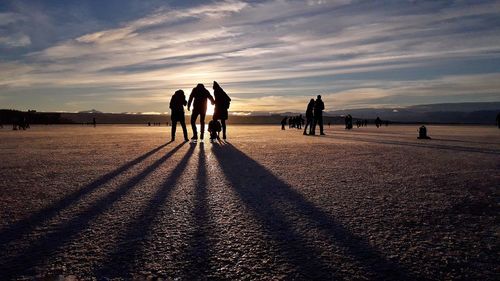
x,y
119,202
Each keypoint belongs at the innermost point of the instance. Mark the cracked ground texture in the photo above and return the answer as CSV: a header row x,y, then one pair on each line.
x,y
121,203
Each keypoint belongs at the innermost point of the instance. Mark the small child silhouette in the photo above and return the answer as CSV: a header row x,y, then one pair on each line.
x,y
214,128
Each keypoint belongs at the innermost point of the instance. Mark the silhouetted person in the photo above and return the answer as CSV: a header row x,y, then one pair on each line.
x,y
94,122
378,122
422,133
300,121
149,124
222,101
309,117
366,123
319,106
214,128
177,103
498,120
283,123
200,96
328,124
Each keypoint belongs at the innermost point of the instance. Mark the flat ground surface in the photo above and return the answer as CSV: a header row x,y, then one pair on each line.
x,y
118,202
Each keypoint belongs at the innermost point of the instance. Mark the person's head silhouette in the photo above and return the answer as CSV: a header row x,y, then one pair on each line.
x,y
319,97
200,86
216,85
179,92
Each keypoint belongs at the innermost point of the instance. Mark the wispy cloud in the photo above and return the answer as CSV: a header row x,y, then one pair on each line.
x,y
275,53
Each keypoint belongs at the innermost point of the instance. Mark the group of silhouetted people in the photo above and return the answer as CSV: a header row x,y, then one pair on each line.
x,y
198,99
293,122
314,116
21,124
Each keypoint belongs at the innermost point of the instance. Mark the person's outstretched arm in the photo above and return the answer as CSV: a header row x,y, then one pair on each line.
x,y
209,96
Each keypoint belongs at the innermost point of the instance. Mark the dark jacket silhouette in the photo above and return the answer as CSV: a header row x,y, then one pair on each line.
x,y
222,101
177,103
319,106
198,98
309,117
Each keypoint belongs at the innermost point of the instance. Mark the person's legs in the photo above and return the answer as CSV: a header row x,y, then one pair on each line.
x,y
223,128
308,123
320,120
313,127
194,115
202,124
184,130
174,125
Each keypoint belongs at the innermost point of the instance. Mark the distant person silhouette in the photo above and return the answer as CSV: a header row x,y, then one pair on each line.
x,y
498,120
222,101
319,106
328,124
309,117
378,122
94,122
199,97
422,133
177,103
214,128
283,123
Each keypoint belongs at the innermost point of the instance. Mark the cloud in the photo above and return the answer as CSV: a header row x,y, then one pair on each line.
x,y
276,52
15,40
9,18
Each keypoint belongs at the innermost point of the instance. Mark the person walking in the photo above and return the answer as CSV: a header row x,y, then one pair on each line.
x,y
198,98
319,106
309,117
177,103
222,101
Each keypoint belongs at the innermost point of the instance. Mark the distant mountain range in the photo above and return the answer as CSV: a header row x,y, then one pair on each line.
x,y
467,113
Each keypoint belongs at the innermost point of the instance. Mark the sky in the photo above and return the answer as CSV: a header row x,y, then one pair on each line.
x,y
269,56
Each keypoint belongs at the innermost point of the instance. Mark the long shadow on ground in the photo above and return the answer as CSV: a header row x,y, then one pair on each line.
x,y
197,255
24,226
304,255
122,261
46,244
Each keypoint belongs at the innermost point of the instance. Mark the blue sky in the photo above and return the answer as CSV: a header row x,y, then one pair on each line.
x,y
270,56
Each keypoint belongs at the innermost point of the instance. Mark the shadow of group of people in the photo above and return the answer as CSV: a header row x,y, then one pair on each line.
x,y
198,99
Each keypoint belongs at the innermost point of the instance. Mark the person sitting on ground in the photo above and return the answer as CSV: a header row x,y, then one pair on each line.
x,y
422,133
214,128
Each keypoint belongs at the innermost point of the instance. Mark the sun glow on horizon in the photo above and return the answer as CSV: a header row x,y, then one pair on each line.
x,y
210,109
